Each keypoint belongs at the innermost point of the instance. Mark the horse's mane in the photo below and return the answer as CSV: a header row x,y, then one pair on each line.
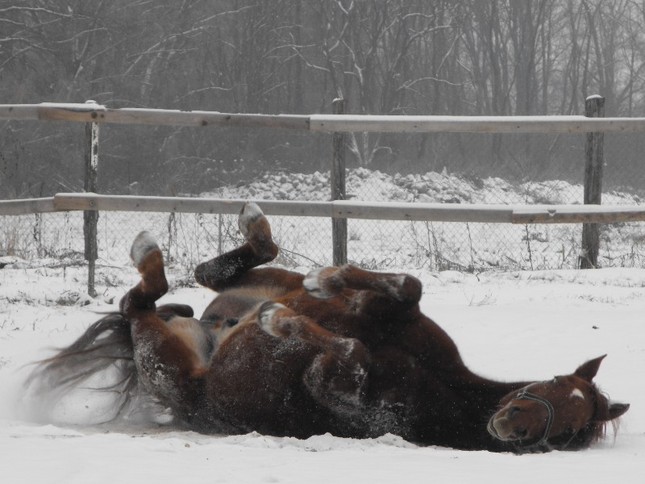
x,y
598,423
106,344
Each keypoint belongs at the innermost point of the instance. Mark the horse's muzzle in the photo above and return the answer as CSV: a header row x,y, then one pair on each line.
x,y
502,428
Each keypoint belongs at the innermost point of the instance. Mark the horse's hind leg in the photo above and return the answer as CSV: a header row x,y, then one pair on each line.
x,y
148,259
167,366
223,271
237,267
337,376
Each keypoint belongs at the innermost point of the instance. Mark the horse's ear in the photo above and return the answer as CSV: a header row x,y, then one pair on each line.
x,y
606,411
587,371
617,409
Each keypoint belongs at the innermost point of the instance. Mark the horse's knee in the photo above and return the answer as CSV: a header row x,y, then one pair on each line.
x,y
410,290
337,378
204,274
167,311
221,272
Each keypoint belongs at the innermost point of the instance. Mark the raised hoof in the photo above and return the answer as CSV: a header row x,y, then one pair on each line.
x,y
268,319
143,244
257,232
323,283
250,213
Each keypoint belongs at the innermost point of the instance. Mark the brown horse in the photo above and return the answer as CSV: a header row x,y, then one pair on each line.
x,y
341,350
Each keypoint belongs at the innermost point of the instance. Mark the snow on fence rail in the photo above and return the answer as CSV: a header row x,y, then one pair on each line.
x,y
339,209
326,123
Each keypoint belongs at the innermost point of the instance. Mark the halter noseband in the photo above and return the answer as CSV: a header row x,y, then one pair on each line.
x,y
524,394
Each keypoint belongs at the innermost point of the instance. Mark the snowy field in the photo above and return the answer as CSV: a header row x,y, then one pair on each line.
x,y
510,325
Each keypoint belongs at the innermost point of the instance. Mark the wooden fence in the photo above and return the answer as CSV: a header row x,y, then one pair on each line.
x,y
593,124
324,123
339,209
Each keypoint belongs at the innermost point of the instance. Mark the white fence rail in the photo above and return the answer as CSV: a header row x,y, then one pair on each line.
x,y
430,212
325,123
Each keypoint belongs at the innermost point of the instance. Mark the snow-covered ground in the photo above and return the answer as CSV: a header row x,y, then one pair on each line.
x,y
508,325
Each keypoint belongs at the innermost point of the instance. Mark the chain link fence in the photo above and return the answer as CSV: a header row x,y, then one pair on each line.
x,y
458,168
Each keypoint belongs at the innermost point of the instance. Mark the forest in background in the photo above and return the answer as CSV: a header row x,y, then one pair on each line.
x,y
472,57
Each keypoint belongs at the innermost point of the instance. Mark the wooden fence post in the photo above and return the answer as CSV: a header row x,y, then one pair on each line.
x,y
91,217
339,225
594,161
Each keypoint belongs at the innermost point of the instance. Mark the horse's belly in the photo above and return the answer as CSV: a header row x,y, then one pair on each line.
x,y
255,383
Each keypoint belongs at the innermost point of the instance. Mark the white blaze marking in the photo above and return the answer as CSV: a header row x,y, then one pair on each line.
x,y
576,393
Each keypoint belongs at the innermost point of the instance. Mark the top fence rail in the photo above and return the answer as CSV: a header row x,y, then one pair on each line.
x,y
324,123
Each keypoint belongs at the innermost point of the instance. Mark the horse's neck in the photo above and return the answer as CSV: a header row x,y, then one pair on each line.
x,y
475,388
477,399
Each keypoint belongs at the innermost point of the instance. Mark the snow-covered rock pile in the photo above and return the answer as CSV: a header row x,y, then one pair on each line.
x,y
383,244
431,187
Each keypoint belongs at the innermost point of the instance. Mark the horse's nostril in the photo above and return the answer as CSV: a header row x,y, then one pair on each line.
x,y
521,433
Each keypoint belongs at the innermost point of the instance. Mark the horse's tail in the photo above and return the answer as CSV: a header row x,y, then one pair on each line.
x,y
105,346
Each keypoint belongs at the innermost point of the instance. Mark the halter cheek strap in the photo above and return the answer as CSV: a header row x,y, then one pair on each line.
x,y
526,395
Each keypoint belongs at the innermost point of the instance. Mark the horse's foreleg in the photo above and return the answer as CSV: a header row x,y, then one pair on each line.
x,y
337,376
330,281
392,302
167,366
224,271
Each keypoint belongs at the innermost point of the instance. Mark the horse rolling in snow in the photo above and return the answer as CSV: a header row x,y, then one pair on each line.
x,y
340,350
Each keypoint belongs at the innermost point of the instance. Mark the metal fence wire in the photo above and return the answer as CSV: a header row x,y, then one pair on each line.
x,y
458,168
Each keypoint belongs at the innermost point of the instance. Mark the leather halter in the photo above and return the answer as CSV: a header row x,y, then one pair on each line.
x,y
524,394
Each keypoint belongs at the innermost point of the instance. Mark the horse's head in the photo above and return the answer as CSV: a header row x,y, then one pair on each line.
x,y
567,412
